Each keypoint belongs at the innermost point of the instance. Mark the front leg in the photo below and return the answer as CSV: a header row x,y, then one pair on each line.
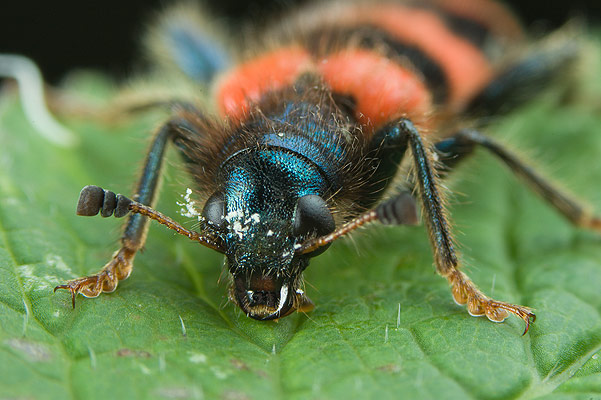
x,y
106,280
441,238
134,234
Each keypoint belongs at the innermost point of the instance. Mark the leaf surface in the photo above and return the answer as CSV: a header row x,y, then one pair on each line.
x,y
385,325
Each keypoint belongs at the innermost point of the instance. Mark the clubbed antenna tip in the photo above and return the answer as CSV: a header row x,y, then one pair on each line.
x,y
94,199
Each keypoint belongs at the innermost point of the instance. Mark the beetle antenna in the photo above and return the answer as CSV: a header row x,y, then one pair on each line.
x,y
94,200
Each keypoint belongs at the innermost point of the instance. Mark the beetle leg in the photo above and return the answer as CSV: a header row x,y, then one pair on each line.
x,y
398,210
134,235
442,241
461,144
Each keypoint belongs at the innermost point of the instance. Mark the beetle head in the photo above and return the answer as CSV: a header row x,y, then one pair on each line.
x,y
260,248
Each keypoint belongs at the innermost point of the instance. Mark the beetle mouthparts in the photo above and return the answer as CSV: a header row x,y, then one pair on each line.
x,y
263,297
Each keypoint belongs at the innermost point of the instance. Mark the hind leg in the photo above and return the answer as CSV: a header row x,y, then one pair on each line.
x,y
458,146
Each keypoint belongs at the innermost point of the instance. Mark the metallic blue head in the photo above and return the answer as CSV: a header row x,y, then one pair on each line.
x,y
269,203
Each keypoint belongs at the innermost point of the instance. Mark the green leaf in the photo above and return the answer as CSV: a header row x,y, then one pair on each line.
x,y
385,325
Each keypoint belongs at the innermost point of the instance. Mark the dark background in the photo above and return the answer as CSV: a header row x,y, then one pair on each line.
x,y
66,34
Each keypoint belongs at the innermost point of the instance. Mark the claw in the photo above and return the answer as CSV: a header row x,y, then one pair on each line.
x,y
465,292
106,280
74,287
70,289
526,319
522,312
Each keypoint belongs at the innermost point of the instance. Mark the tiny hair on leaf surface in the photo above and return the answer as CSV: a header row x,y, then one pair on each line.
x,y
355,343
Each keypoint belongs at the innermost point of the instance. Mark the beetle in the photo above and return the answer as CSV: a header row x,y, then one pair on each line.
x,y
310,133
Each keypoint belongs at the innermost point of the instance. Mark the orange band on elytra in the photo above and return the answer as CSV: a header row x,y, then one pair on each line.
x,y
381,88
249,81
465,66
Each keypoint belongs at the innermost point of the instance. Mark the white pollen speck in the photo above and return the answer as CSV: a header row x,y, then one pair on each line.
x,y
398,317
386,334
240,222
595,356
187,206
270,233
239,229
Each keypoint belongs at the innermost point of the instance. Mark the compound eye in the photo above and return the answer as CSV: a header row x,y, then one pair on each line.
x,y
214,211
313,216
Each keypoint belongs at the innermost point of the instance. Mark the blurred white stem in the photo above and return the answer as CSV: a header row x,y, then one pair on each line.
x,y
31,88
